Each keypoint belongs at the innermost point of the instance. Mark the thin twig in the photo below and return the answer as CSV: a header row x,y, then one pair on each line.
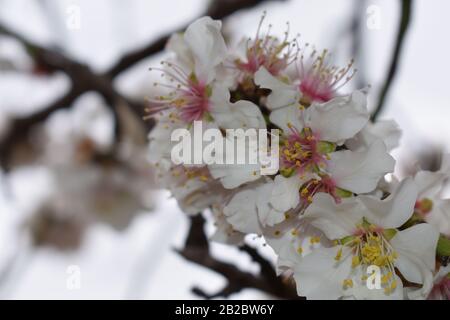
x,y
406,10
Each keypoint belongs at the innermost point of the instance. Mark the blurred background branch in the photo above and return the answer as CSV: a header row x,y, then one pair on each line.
x,y
83,79
196,250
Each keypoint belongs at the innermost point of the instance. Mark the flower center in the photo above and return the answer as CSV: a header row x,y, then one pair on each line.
x,y
188,95
370,247
300,153
325,184
268,51
319,80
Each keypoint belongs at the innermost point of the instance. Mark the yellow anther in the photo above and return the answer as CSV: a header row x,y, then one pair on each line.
x,y
385,279
338,255
313,240
299,250
393,285
306,154
355,261
347,283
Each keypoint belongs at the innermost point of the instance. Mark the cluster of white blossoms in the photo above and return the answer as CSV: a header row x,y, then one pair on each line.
x,y
329,213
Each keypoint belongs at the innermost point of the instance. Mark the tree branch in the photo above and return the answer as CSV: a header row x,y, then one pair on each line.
x,y
406,10
197,250
218,9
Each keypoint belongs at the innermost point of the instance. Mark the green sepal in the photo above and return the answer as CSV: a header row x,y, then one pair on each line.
x,y
208,91
345,240
443,246
193,77
342,193
389,233
325,147
287,172
208,117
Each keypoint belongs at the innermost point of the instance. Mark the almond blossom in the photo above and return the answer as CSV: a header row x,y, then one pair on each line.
x,y
367,234
328,210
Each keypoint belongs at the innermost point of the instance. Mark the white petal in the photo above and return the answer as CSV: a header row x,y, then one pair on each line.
x,y
268,216
423,292
241,114
160,145
439,216
335,220
386,130
194,195
393,211
340,118
416,248
361,291
177,45
232,176
290,115
429,183
207,45
282,94
360,172
319,276
241,212
285,194
285,242
225,232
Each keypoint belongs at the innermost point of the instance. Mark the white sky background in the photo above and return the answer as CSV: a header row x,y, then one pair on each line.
x,y
418,101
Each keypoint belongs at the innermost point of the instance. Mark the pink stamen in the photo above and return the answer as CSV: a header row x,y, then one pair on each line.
x,y
188,98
